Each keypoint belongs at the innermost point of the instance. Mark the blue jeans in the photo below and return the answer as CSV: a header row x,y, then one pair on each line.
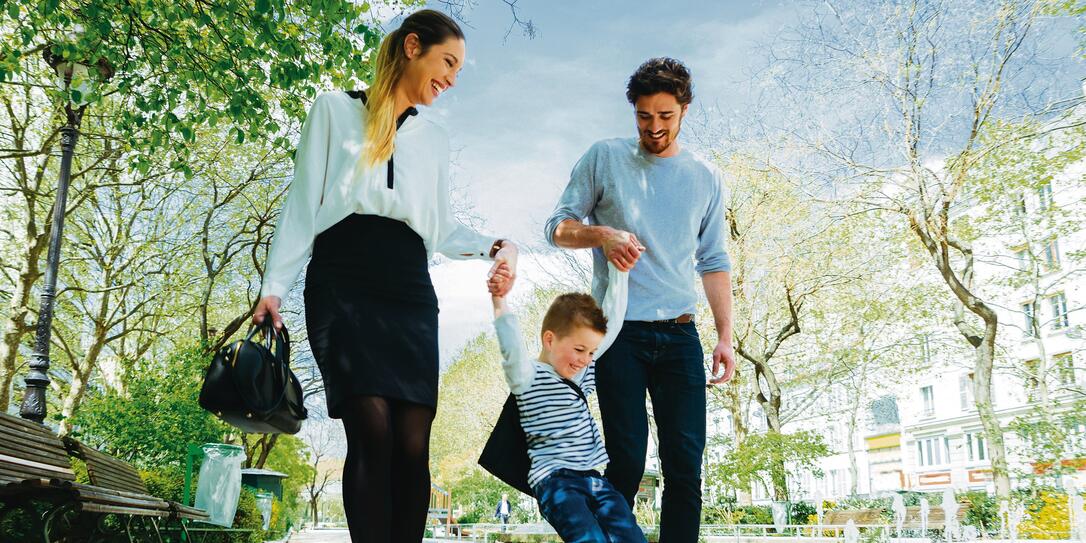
x,y
583,507
666,360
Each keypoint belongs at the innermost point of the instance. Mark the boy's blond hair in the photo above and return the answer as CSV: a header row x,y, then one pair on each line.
x,y
571,311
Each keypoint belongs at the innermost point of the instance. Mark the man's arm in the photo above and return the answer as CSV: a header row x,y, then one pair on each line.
x,y
718,290
621,248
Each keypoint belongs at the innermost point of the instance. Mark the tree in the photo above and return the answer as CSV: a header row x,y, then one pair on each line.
x,y
926,80
770,459
153,423
320,444
780,267
182,66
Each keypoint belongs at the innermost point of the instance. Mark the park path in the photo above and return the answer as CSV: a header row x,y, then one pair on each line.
x,y
321,536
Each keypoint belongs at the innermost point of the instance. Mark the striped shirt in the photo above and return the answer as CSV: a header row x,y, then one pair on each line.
x,y
560,429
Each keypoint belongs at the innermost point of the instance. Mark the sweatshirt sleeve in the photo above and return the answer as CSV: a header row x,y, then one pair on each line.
x,y
516,363
580,196
293,239
614,306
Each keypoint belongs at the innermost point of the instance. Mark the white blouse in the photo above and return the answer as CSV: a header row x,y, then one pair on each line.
x,y
331,182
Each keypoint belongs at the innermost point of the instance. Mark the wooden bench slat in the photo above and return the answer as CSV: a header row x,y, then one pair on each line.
x,y
19,450
22,425
8,435
148,502
190,513
102,508
29,472
110,481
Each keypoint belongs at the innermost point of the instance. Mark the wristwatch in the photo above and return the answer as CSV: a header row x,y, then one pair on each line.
x,y
496,247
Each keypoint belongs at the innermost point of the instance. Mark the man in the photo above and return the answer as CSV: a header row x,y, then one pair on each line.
x,y
503,511
653,209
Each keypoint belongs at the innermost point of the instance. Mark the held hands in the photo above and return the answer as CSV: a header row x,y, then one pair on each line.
x,y
724,354
622,249
503,273
268,307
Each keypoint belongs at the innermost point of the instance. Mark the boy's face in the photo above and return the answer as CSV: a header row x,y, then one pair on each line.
x,y
571,353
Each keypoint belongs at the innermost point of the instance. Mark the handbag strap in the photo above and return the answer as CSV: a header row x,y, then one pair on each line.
x,y
576,389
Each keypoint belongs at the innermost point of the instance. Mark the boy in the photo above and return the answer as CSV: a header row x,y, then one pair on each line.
x,y
564,444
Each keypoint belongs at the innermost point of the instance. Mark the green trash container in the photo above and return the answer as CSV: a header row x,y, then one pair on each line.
x,y
220,482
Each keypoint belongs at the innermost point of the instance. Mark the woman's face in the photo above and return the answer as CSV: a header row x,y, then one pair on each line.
x,y
429,74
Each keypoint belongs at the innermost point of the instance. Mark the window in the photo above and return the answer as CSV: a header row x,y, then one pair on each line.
x,y
933,451
1065,368
976,447
1058,303
1052,256
927,397
1044,196
965,389
1022,255
1032,379
1029,312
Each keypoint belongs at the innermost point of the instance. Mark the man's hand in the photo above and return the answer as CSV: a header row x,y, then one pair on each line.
x,y
622,249
724,354
503,273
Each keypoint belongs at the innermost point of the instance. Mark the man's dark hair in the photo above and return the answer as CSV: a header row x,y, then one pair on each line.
x,y
661,75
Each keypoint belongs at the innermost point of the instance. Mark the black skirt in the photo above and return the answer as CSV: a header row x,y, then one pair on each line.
x,y
371,312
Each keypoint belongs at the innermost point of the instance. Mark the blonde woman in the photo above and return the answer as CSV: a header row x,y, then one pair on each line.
x,y
370,204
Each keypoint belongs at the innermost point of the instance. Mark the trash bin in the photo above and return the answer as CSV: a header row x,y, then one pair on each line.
x,y
220,482
264,505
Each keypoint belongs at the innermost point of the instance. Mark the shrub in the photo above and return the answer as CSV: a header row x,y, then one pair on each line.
x,y
802,513
166,482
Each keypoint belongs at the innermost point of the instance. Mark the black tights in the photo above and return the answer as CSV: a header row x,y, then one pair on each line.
x,y
386,477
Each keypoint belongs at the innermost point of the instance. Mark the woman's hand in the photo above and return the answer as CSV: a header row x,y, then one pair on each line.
x,y
503,273
268,307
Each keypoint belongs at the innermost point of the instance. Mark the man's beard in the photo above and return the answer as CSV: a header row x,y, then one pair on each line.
x,y
657,146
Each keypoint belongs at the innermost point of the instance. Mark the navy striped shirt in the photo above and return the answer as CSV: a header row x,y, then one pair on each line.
x,y
560,429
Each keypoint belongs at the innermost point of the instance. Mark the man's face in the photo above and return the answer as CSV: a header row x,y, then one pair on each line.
x,y
659,118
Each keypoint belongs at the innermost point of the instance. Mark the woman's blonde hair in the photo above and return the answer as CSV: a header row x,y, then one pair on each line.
x,y
432,27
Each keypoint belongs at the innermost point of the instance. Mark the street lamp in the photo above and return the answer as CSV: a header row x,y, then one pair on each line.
x,y
77,81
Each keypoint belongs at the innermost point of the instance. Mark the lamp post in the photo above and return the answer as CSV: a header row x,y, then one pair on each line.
x,y
77,80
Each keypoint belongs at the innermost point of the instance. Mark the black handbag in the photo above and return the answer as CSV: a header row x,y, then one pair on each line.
x,y
505,454
249,384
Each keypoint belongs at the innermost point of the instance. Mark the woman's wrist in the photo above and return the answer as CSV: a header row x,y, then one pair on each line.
x,y
500,245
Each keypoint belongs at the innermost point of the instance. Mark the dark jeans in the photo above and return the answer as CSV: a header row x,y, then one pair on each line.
x,y
666,361
583,507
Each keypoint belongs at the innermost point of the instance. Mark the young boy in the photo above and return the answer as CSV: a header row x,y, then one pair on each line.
x,y
564,444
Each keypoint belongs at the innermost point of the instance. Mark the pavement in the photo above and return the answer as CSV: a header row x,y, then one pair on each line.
x,y
329,536
321,536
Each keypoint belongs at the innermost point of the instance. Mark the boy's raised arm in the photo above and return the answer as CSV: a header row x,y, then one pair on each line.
x,y
516,362
614,306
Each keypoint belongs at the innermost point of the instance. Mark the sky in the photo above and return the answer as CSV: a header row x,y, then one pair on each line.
x,y
524,110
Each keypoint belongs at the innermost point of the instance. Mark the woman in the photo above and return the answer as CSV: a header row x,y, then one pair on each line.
x,y
370,202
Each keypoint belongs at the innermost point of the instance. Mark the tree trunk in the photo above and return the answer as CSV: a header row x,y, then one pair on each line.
x,y
313,505
18,324
982,389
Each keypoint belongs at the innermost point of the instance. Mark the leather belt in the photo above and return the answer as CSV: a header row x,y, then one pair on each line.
x,y
681,319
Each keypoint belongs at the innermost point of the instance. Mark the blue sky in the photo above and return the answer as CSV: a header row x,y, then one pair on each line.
x,y
524,110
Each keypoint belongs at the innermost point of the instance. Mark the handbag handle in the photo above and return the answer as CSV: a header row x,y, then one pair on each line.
x,y
278,343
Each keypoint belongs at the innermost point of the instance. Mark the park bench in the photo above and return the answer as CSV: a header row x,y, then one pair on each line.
x,y
119,476
34,466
